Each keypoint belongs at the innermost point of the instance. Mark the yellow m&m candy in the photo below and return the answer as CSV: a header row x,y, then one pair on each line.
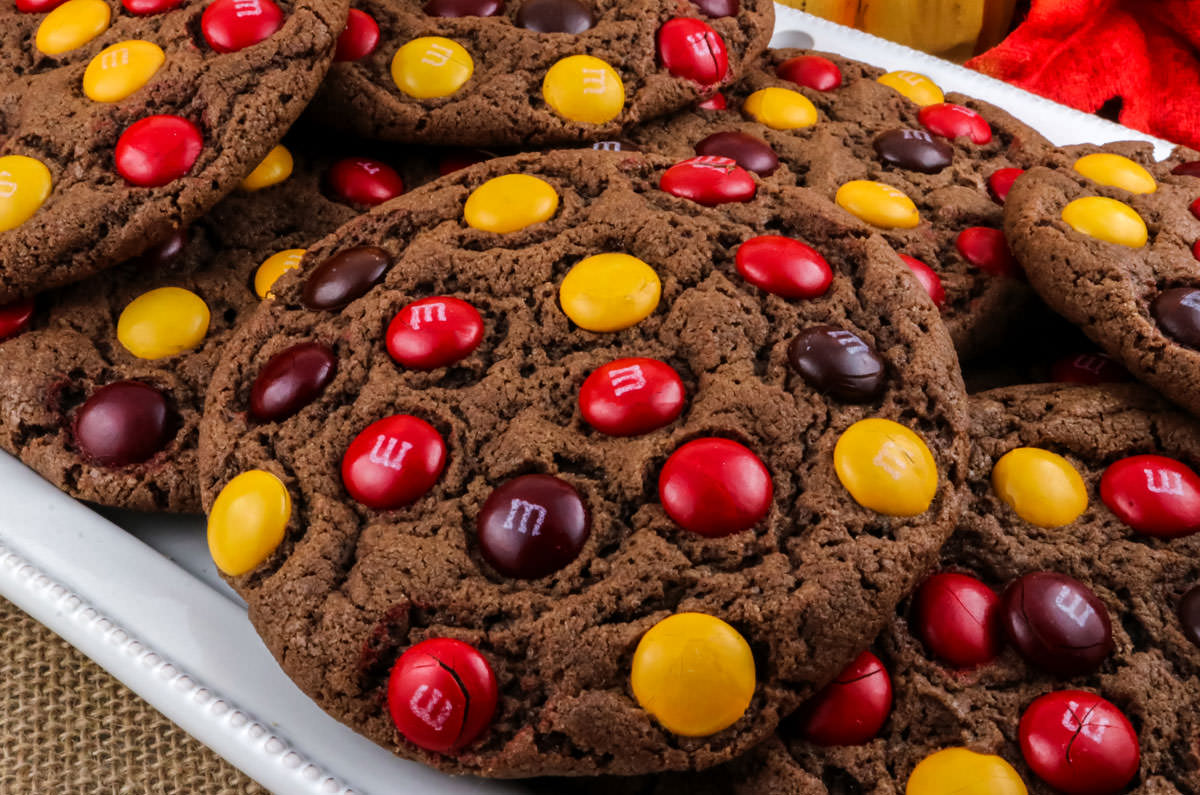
x,y
274,168
247,521
960,771
781,108
431,66
163,322
24,186
1106,168
694,673
1106,219
510,203
886,467
584,88
609,292
121,69
1041,486
917,87
73,24
878,204
273,267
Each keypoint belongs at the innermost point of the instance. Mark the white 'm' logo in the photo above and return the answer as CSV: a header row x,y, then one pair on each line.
x,y
527,509
246,8
607,146
1192,301
892,459
627,379
368,167
8,188
699,43
595,81
425,711
848,340
714,162
437,55
1072,604
1166,483
385,457
115,58
427,313
1092,731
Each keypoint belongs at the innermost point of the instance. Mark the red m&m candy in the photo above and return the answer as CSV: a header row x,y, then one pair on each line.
x,y
157,150
232,25
147,7
715,487
359,38
393,462
784,267
811,71
434,332
1191,169
629,397
709,181
987,250
928,279
442,694
361,181
951,121
958,619
1153,494
1079,743
1088,368
691,49
1001,182
15,317
38,6
852,708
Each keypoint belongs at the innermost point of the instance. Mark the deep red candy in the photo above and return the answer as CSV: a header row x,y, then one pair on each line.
x,y
458,159
442,694
690,49
715,102
123,423
952,121
709,181
1195,208
928,279
1191,169
358,180
15,317
359,38
1001,182
143,8
290,380
345,276
166,252
852,708
629,397
555,16
986,249
752,154
1196,249
232,25
717,8
1088,368
958,619
532,526
715,487
1079,743
784,266
1056,623
393,462
1153,494
157,150
434,332
811,71
38,6
464,8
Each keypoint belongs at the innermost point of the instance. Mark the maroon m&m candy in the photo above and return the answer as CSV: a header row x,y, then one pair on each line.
x,y
555,16
1191,169
157,149
717,8
434,332
1079,743
442,694
986,249
361,181
345,276
952,121
123,423
752,154
629,397
38,6
532,526
1177,311
464,8
393,462
811,71
783,266
1189,615
1001,182
838,362
166,252
1056,623
146,7
913,150
958,619
1196,249
690,49
359,38
15,317
928,279
852,708
715,487
232,25
709,181
1153,494
1088,368
290,380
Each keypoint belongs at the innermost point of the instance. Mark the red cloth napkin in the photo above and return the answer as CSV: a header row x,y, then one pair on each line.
x,y
1085,53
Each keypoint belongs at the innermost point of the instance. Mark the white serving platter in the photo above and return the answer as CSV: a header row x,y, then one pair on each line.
x,y
139,594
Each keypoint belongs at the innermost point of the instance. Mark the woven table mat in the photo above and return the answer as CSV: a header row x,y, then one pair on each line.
x,y
67,726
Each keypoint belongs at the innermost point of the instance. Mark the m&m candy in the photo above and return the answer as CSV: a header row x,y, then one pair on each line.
x,y
609,292
953,121
72,25
917,87
247,521
555,16
1106,219
715,487
157,150
1001,182
290,380
163,322
839,363
886,467
393,462
510,203
15,317
232,25
1056,623
913,150
442,694
431,66
709,181
1088,368
630,397
359,180
275,168
1105,168
583,88
987,250
1079,743
958,619
691,49
780,108
273,267
121,69
961,771
359,38
752,154
434,332
1042,487
811,71
25,185
463,8
345,276
852,708
1177,311
1188,611
122,423
532,526
878,204
1153,494
783,266
928,278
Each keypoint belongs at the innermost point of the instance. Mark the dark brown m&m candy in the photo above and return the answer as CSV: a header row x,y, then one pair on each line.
x,y
913,150
752,154
1177,311
464,8
123,423
838,362
290,380
1056,623
166,252
717,8
532,526
1189,615
555,16
345,276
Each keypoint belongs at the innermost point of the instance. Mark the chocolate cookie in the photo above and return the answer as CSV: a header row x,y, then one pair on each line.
x,y
594,478
1110,240
858,135
533,72
123,122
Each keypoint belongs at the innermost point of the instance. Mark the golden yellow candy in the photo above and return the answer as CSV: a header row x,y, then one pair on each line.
x,y
163,322
73,24
694,673
609,292
273,267
274,168
959,771
24,186
886,467
917,87
781,108
1106,219
1116,171
1042,487
510,203
431,66
584,88
121,69
878,204
247,521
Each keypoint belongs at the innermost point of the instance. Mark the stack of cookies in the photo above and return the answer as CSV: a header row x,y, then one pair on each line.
x,y
632,436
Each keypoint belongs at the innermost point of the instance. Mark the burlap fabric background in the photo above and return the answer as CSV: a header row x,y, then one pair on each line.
x,y
68,728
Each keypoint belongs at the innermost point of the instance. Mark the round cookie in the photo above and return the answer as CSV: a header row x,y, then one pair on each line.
x,y
123,122
1113,249
533,72
854,133
474,411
